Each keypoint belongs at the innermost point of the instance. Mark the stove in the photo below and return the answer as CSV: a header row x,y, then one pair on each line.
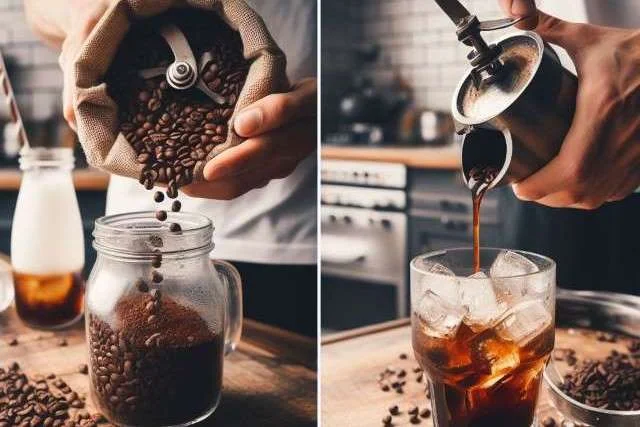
x,y
364,243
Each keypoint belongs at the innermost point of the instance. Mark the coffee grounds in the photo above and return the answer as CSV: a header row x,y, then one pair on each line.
x,y
170,130
612,383
40,401
158,364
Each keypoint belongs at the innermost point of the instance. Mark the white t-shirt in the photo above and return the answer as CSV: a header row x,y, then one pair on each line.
x,y
271,225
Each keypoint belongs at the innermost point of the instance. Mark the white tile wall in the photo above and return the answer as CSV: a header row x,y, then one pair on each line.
x,y
34,69
418,42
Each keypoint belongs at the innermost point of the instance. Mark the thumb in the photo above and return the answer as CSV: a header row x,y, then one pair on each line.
x,y
568,35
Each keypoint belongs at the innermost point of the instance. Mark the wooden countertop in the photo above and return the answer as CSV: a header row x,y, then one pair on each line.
x,y
447,157
352,360
83,179
270,380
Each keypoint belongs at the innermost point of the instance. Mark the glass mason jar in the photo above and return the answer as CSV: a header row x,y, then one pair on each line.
x,y
160,316
47,241
483,338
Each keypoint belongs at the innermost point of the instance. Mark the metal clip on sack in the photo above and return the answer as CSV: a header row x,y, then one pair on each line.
x,y
184,72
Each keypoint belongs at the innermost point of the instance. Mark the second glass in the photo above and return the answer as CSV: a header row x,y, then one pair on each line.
x,y
483,338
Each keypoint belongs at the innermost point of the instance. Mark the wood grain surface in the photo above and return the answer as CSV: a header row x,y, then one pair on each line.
x,y
270,380
83,179
352,361
447,157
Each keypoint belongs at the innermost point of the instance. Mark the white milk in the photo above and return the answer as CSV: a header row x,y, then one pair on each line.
x,y
47,236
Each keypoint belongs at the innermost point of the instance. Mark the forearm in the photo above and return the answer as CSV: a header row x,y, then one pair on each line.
x,y
49,19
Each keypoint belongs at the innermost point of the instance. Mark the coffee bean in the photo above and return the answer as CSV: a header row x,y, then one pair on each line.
x,y
394,410
155,294
176,206
549,422
141,285
414,419
425,413
413,410
83,369
402,373
156,276
175,227
13,342
386,420
403,356
158,196
385,387
161,215
62,342
156,261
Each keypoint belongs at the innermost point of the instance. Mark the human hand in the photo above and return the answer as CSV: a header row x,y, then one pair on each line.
x,y
599,160
280,131
519,9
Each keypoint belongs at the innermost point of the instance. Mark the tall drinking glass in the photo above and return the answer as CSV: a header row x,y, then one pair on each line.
x,y
483,338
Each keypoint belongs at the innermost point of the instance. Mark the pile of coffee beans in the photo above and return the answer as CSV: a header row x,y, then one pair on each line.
x,y
395,378
612,383
41,401
171,130
157,363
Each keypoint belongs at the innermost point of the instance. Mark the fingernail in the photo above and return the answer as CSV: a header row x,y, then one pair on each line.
x,y
248,122
520,196
217,172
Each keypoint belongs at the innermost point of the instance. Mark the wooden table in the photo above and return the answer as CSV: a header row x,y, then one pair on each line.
x,y
447,157
270,380
352,360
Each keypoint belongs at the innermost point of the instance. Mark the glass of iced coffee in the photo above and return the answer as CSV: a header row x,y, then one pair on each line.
x,y
483,337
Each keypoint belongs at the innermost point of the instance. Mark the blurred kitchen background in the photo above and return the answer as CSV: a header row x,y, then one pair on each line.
x,y
391,185
37,81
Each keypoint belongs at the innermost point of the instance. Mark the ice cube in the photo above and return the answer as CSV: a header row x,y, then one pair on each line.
x,y
441,317
510,270
523,322
493,357
510,264
479,298
434,267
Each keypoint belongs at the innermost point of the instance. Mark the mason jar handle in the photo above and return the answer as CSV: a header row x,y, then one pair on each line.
x,y
233,285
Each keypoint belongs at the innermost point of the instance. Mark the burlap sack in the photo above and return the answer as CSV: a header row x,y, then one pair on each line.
x,y
97,113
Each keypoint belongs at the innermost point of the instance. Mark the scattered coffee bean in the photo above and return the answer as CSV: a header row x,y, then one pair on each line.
x,y
176,206
83,369
175,227
402,373
161,215
155,294
63,342
425,413
386,420
403,356
23,405
158,196
13,342
385,387
156,241
394,410
549,422
413,410
414,419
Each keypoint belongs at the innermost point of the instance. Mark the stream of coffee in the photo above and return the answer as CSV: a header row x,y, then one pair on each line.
x,y
480,179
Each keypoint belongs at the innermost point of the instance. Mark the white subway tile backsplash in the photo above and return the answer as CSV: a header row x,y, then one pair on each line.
x,y
39,78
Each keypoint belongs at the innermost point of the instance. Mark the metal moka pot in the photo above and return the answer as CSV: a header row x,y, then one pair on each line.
x,y
515,105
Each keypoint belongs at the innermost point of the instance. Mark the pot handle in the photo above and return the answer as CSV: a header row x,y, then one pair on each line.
x,y
233,285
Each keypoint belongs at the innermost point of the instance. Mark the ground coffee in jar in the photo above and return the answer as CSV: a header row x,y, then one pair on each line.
x,y
157,364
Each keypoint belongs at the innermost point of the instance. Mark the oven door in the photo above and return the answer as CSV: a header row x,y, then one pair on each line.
x,y
364,266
